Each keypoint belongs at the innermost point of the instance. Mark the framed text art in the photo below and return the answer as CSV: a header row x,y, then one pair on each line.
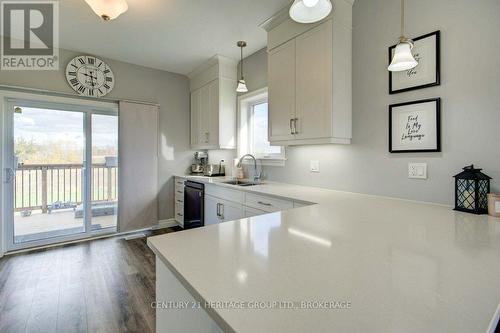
x,y
414,127
426,51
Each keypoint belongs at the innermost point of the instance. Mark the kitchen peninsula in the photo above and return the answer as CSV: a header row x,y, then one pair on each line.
x,y
348,263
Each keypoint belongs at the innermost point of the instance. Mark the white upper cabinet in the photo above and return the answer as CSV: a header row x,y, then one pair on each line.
x,y
282,91
309,67
313,95
213,104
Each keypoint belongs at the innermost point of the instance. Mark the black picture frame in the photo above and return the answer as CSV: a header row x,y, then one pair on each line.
x,y
437,82
438,126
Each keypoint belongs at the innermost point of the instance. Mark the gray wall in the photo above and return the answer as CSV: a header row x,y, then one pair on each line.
x,y
133,82
470,93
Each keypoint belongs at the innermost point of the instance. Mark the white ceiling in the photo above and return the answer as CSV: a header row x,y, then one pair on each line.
x,y
172,35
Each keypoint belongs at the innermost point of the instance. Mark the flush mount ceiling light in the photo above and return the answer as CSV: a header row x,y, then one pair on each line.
x,y
108,9
242,86
403,59
309,11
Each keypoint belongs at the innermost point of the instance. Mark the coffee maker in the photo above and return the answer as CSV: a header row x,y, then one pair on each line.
x,y
202,158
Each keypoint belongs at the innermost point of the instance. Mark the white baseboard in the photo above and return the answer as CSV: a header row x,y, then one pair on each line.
x,y
166,224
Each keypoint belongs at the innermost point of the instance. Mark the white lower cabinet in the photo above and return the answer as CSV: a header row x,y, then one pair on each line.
x,y
219,210
179,201
224,204
211,215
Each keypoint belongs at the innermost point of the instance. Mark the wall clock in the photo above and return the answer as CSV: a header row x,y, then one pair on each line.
x,y
90,76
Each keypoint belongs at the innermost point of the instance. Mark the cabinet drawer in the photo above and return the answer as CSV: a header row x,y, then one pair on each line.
x,y
179,190
179,213
249,212
179,198
224,193
267,204
179,181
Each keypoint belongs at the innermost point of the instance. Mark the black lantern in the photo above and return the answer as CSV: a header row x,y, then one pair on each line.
x,y
471,191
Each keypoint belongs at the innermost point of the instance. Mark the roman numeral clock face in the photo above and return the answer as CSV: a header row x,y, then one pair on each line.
x,y
90,76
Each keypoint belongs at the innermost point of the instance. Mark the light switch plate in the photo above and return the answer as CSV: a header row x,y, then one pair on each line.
x,y
314,166
417,170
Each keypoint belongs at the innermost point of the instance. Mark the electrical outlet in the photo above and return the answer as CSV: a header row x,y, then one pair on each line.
x,y
417,170
314,166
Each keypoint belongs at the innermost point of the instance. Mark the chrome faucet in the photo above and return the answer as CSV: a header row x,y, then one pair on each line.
x,y
256,175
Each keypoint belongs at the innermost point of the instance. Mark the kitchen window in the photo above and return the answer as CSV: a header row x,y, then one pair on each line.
x,y
253,129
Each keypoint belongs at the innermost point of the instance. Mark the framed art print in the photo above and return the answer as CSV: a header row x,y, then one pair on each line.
x,y
415,126
427,73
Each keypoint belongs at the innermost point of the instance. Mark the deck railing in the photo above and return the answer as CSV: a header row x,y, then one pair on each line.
x,y
42,186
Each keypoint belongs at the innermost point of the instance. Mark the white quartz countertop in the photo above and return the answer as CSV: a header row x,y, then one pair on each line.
x,y
400,266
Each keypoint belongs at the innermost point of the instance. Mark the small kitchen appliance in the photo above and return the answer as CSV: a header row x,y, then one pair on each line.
x,y
202,158
215,170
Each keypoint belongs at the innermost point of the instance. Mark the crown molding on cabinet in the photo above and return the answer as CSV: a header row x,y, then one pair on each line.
x,y
215,60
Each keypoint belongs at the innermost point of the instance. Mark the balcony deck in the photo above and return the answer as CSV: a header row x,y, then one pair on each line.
x,y
48,199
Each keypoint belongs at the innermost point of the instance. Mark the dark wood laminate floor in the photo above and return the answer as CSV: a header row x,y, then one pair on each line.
x,y
104,285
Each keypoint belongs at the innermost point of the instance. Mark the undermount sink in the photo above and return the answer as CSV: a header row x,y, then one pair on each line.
x,y
241,183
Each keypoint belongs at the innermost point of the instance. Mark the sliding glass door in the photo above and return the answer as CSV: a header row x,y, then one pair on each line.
x,y
104,185
62,172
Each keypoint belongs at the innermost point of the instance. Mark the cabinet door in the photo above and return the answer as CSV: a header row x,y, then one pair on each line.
x,y
204,129
195,117
212,119
230,211
211,216
219,210
314,83
281,91
208,129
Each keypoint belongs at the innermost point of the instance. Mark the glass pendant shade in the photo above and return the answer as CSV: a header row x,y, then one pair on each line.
x,y
108,9
242,86
403,59
309,11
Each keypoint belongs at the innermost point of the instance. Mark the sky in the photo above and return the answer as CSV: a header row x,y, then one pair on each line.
x,y
49,126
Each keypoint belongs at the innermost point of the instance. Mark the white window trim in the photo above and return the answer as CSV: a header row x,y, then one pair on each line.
x,y
244,103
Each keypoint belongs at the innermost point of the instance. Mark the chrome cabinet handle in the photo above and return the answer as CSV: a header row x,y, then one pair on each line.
x,y
207,136
218,209
293,123
179,201
179,214
264,203
222,211
291,126
179,192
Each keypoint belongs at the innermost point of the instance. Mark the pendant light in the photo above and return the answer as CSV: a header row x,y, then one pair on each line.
x,y
108,9
242,86
310,11
403,59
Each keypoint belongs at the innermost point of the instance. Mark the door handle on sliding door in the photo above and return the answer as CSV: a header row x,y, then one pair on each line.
x,y
10,175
